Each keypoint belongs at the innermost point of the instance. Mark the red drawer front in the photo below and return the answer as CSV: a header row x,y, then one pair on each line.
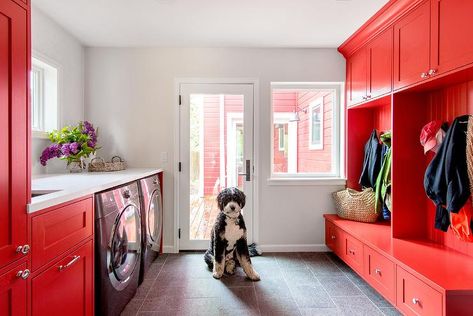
x,y
380,273
354,253
66,287
414,297
334,238
59,230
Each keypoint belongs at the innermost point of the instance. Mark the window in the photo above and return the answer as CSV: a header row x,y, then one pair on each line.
x,y
44,97
316,133
306,131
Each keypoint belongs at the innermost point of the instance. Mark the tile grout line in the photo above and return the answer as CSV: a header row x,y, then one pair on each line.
x,y
322,286
154,281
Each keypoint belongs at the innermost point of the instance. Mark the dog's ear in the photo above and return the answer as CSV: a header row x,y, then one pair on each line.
x,y
220,200
242,198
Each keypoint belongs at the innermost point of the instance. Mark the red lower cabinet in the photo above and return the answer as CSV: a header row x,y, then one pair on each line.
x,y
353,253
66,287
380,272
13,293
414,297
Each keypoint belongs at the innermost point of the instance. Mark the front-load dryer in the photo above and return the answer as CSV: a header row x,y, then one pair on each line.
x,y
118,248
152,220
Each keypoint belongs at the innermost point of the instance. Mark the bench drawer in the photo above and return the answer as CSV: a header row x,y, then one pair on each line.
x,y
334,238
380,272
57,231
414,297
353,253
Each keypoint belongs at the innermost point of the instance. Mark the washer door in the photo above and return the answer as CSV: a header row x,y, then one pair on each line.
x,y
124,247
155,218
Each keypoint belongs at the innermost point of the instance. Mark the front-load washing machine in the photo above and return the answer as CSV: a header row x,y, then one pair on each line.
x,y
152,220
118,248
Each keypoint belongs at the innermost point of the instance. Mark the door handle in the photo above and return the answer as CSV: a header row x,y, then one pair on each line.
x,y
247,174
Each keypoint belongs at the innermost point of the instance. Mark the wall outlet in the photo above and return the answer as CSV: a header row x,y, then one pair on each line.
x,y
164,157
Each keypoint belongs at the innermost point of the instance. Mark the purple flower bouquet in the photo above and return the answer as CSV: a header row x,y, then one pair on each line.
x,y
72,143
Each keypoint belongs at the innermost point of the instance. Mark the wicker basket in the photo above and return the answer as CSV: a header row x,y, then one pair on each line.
x,y
356,206
98,164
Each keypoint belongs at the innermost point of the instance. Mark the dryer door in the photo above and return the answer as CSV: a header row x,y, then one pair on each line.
x,y
155,219
124,247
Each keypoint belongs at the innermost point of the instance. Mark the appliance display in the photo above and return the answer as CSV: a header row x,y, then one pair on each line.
x,y
118,248
152,221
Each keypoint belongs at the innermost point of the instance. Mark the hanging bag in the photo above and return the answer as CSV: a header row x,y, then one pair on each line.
x,y
355,205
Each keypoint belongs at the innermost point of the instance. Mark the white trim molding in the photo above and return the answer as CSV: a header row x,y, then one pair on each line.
x,y
294,248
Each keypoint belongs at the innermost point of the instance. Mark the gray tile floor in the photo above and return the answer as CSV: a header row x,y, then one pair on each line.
x,y
291,284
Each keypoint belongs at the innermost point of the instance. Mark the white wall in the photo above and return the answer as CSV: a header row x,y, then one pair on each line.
x,y
130,95
51,42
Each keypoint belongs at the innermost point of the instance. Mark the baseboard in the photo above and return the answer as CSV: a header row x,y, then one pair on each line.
x,y
169,249
295,248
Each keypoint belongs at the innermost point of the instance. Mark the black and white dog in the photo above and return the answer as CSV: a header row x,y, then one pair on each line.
x,y
228,240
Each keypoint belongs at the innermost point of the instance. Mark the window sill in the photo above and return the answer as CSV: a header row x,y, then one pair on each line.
x,y
307,181
39,135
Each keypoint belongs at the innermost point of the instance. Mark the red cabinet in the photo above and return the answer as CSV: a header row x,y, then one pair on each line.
x,y
56,231
452,33
66,287
357,77
334,238
380,65
353,253
380,272
13,295
412,47
14,170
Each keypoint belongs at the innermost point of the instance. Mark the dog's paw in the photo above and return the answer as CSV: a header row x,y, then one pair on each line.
x,y
217,275
230,267
254,276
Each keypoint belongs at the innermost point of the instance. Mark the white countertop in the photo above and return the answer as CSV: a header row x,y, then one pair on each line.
x,y
71,186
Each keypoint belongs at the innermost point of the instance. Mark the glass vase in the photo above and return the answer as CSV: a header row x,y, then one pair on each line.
x,y
76,166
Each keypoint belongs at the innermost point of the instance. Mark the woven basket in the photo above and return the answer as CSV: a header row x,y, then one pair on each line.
x,y
98,164
356,206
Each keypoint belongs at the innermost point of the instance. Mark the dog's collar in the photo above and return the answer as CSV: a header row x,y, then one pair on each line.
x,y
236,220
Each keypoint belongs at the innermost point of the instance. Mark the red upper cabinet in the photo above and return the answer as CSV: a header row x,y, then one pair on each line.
x,y
412,47
14,136
380,65
357,70
452,34
13,291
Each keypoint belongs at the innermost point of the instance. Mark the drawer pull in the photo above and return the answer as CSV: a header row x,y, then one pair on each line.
x,y
432,72
415,301
377,271
424,75
24,274
74,260
351,251
23,249
333,237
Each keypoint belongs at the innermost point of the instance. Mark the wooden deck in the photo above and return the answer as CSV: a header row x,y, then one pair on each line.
x,y
203,212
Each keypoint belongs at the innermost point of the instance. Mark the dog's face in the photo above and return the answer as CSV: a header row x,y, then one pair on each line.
x,y
231,201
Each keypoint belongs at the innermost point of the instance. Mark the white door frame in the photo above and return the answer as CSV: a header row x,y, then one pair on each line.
x,y
256,173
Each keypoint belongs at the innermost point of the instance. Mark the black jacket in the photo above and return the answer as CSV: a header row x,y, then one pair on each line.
x,y
371,162
446,178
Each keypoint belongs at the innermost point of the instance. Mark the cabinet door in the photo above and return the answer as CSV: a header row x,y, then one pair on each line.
x,y
357,72
13,292
14,136
380,64
452,33
412,47
66,287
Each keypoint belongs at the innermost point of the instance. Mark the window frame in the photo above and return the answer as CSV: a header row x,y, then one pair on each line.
x,y
319,103
42,62
281,129
337,174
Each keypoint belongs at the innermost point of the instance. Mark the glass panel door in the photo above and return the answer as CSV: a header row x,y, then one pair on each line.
x,y
216,133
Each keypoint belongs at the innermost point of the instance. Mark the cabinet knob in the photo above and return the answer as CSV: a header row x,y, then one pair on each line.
x,y
23,249
377,271
333,237
368,96
432,72
24,274
364,97
415,301
424,75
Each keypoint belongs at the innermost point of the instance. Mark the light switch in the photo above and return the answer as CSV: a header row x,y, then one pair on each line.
x,y
164,157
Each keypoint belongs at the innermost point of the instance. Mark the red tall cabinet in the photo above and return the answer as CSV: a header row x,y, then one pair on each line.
x,y
14,140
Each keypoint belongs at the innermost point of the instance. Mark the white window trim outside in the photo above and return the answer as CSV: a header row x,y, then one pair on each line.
x,y
281,137
285,118
337,176
319,103
42,58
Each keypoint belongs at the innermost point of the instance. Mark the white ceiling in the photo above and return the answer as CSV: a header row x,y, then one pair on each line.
x,y
211,23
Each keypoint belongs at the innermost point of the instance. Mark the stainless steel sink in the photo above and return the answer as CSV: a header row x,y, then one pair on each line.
x,y
35,193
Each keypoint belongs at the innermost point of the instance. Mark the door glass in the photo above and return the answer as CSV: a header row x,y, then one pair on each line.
x,y
125,244
216,155
154,217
